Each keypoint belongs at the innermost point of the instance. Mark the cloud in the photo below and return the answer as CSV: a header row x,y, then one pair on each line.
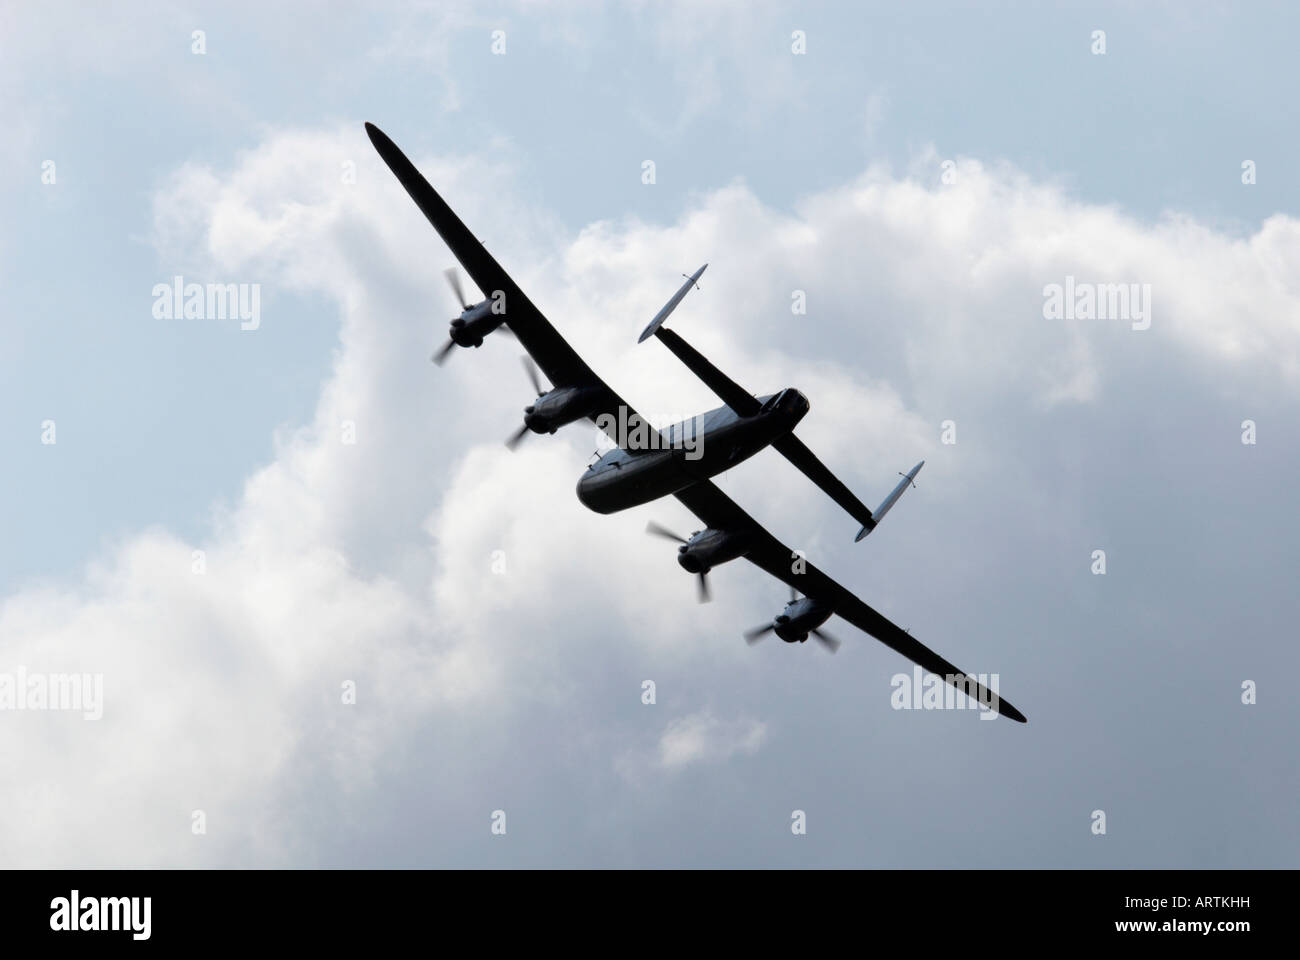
x,y
495,631
702,737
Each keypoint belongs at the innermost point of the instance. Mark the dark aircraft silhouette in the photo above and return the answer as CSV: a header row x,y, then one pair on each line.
x,y
648,464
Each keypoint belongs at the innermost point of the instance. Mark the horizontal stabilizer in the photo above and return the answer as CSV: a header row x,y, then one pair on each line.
x,y
890,500
732,394
789,446
797,452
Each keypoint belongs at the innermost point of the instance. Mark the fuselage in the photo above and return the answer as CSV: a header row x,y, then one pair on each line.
x,y
687,453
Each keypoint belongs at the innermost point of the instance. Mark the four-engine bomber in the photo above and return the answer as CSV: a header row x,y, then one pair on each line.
x,y
678,461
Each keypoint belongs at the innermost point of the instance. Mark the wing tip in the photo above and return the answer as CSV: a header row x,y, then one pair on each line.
x,y
382,142
1011,713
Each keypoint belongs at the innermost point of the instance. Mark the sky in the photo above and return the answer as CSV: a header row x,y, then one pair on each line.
x,y
335,622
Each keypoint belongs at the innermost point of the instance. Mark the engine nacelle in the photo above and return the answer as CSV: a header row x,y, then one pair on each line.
x,y
562,405
469,329
800,618
708,548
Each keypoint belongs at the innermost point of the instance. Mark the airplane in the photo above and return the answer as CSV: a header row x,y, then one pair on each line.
x,y
647,465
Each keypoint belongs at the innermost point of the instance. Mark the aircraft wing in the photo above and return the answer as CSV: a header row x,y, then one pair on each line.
x,y
563,367
559,361
719,511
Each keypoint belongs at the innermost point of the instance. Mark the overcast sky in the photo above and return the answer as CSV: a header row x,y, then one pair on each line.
x,y
235,528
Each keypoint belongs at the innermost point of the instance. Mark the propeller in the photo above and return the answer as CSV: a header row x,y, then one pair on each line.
x,y
440,355
658,531
703,594
530,368
826,640
822,637
512,441
453,278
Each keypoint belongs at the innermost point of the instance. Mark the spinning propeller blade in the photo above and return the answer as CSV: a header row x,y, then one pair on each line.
x,y
453,278
441,355
829,642
664,532
512,441
530,368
